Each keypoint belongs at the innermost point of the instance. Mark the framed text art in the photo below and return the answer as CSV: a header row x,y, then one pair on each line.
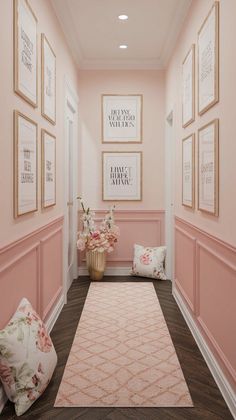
x,y
188,86
25,165
122,176
188,148
208,61
208,168
25,52
48,169
48,73
122,118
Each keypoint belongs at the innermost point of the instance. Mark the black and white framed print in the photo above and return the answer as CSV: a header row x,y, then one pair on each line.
x,y
188,147
48,72
48,169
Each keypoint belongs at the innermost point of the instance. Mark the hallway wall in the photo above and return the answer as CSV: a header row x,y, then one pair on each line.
x,y
25,269
205,266
92,84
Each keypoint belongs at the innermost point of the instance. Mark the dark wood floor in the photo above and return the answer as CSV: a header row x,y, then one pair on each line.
x,y
208,402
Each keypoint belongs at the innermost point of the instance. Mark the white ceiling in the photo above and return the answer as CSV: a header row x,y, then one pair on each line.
x,y
94,32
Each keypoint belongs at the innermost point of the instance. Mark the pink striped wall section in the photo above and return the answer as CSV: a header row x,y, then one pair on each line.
x,y
144,227
31,267
205,276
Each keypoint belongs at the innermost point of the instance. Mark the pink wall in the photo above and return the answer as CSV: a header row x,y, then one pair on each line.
x,y
149,83
11,229
223,226
145,227
205,259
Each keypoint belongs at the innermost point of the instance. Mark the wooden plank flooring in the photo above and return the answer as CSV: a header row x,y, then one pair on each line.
x,y
207,399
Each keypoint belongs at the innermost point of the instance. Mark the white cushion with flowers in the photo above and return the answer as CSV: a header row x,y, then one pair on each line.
x,y
27,357
149,262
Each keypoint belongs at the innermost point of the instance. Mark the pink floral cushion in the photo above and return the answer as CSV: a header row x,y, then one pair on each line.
x,y
27,357
149,262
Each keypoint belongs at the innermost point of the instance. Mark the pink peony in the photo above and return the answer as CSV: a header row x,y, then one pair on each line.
x,y
145,259
6,375
43,342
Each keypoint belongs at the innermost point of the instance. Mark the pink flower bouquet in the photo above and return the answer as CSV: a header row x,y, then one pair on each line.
x,y
99,239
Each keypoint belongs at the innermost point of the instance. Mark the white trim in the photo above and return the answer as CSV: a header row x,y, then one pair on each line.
x,y
217,373
110,271
51,320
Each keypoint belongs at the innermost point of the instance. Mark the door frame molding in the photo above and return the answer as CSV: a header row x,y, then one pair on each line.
x,y
71,102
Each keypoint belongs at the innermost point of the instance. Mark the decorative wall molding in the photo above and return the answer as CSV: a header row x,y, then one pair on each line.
x,y
218,374
213,263
145,227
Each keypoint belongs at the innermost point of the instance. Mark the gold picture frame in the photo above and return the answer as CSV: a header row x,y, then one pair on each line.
x,y
188,202
139,193
191,119
47,202
27,74
211,206
48,110
130,125
213,97
28,175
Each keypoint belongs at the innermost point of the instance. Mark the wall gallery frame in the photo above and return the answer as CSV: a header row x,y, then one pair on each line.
x,y
208,168
188,170
122,118
122,176
25,165
188,86
48,166
208,61
48,72
25,52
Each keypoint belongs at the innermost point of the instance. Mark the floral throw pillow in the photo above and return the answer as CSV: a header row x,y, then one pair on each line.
x,y
27,357
149,262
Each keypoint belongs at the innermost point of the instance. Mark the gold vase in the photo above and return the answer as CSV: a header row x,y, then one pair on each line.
x,y
96,263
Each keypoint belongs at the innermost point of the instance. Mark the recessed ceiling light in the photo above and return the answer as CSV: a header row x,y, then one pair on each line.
x,y
123,47
123,17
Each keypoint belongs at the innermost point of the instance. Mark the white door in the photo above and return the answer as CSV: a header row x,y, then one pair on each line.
x,y
169,195
71,164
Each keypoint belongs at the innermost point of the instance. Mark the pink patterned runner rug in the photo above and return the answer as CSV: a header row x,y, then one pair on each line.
x,y
122,354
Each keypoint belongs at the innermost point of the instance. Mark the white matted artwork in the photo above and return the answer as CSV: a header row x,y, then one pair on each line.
x,y
48,81
122,118
48,169
188,147
208,168
122,176
188,86
25,165
25,52
208,61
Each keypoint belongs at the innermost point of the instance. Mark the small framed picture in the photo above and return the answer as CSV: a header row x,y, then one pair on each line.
x,y
48,81
188,86
122,176
122,118
48,169
208,61
208,168
25,52
25,165
188,148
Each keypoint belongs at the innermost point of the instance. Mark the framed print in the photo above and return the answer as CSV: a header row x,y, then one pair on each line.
x,y
48,169
122,118
48,73
208,61
188,148
122,176
25,165
208,168
25,52
188,86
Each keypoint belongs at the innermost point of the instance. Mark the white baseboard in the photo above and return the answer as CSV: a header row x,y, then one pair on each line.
x,y
222,382
54,314
110,271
